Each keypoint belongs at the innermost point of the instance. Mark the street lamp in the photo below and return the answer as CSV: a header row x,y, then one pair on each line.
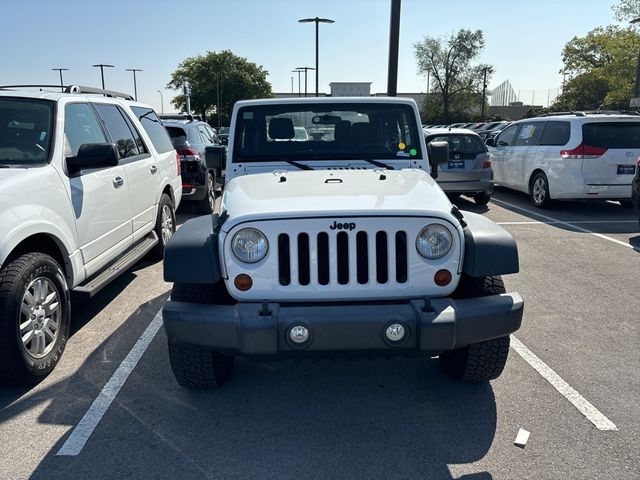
x,y
305,78
135,87
102,66
60,70
317,21
161,103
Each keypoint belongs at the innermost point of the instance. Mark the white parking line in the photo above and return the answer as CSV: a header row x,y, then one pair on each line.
x,y
560,222
582,404
572,222
79,436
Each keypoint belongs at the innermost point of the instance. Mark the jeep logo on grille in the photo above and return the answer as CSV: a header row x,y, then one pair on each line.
x,y
342,226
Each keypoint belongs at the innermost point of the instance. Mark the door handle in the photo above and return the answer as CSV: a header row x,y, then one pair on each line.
x,y
118,182
153,169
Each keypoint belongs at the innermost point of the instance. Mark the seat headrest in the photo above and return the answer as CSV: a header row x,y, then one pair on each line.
x,y
281,129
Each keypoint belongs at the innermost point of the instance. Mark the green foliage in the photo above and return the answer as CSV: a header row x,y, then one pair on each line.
x,y
601,67
627,10
237,78
453,76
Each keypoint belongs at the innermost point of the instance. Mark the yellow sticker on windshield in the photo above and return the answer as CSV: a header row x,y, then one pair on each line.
x,y
402,146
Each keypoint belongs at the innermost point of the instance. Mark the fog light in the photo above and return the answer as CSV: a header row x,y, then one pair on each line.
x,y
243,282
299,334
442,278
395,332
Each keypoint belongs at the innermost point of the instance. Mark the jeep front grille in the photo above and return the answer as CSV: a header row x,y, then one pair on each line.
x,y
343,258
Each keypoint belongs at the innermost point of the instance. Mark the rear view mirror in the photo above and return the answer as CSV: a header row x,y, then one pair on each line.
x,y
438,153
93,155
490,142
215,158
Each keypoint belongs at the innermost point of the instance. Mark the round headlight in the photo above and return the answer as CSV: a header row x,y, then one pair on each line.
x,y
434,241
249,245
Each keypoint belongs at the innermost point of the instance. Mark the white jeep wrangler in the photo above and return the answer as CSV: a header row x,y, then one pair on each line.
x,y
337,244
89,183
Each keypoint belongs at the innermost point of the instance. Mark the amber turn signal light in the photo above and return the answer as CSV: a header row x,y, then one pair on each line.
x,y
243,282
442,278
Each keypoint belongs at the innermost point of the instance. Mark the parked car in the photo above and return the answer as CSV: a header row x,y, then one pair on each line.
x,y
223,134
493,133
468,171
568,157
89,183
341,245
200,179
635,188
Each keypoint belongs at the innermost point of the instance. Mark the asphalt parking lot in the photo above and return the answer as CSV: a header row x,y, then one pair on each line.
x,y
576,393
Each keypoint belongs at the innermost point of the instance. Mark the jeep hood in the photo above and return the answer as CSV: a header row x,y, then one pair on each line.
x,y
340,193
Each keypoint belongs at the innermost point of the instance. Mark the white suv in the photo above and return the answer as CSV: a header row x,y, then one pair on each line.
x,y
88,185
569,156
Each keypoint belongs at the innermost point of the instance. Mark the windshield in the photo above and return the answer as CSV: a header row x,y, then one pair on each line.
x,y
326,131
25,131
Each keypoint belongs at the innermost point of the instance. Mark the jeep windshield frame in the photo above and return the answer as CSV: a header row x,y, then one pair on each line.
x,y
338,131
26,131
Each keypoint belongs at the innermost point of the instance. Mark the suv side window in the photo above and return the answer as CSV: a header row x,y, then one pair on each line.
x,y
507,137
529,134
556,133
154,128
80,126
118,129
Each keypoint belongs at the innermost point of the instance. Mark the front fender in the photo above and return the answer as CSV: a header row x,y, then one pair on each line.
x,y
191,256
489,248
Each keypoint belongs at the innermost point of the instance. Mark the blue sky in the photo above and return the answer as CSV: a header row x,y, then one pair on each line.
x,y
523,39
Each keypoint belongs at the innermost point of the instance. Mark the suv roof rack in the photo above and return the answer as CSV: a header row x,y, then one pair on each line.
x,y
73,89
181,116
584,113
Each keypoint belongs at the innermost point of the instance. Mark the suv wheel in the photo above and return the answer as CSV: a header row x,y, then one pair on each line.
x,y
34,318
482,361
540,191
208,203
482,198
165,225
195,366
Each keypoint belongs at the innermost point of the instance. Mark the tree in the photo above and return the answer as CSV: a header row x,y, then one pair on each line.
x,y
601,67
627,10
449,61
235,76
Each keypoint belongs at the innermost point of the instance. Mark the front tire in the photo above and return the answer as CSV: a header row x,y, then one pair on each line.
x,y
34,318
482,198
539,191
195,366
482,361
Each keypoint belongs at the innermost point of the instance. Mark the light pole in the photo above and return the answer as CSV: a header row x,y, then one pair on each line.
x,y
305,77
298,72
135,87
317,21
484,92
60,70
161,103
102,66
394,42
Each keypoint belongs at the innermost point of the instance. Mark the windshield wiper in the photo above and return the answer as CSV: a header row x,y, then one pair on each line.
x,y
301,166
368,160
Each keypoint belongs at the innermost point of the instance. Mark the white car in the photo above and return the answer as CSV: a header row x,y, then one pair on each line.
x,y
338,245
569,157
89,183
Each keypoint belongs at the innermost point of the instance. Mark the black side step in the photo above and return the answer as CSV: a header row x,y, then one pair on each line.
x,y
126,261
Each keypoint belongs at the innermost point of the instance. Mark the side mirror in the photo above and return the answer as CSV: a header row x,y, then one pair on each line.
x,y
94,155
490,142
438,153
215,158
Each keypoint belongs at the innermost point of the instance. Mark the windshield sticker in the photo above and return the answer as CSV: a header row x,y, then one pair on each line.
x,y
402,154
413,152
402,146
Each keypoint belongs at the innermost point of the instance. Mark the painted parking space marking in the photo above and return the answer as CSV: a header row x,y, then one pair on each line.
x,y
582,404
572,222
81,433
567,224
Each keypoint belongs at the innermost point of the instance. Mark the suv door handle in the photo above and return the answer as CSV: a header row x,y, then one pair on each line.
x,y
153,169
118,182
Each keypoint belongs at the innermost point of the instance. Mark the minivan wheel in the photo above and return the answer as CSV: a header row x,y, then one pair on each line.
x,y
482,198
539,191
34,318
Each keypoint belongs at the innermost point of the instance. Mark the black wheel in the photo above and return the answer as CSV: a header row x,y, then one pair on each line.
x,y
482,361
195,366
165,225
539,191
626,203
208,203
34,318
482,198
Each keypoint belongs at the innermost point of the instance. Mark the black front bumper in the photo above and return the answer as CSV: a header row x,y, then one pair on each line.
x,y
254,329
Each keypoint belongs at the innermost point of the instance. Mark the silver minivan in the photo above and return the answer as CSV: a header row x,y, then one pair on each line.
x,y
573,156
468,171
